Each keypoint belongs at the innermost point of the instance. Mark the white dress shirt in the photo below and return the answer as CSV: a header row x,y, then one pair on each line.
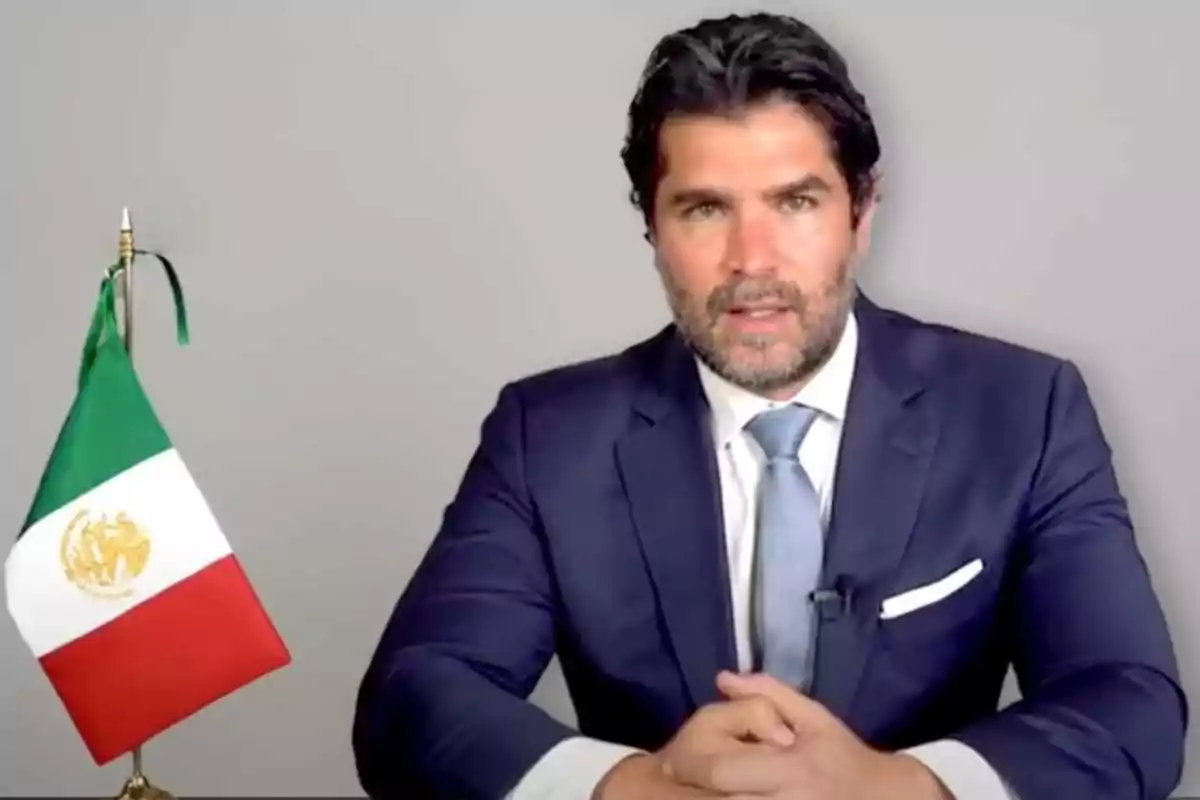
x,y
572,770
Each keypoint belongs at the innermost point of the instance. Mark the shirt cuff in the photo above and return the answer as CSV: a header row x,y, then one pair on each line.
x,y
965,773
571,770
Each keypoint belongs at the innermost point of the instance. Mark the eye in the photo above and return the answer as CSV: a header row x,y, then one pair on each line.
x,y
702,210
797,202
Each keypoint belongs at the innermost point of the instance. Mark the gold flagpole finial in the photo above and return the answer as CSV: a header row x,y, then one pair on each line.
x,y
126,230
125,253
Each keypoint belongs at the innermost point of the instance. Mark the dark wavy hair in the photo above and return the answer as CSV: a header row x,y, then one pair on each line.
x,y
725,65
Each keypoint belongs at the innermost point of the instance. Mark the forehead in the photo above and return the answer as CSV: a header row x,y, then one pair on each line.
x,y
763,142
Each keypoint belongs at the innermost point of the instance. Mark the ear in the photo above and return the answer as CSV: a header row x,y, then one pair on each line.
x,y
866,217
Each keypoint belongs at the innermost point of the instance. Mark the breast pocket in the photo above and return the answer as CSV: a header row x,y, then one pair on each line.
x,y
930,632
937,608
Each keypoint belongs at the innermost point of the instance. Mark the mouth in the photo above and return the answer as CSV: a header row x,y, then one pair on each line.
x,y
759,318
759,312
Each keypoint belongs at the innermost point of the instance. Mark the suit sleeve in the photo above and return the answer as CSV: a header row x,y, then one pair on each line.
x,y
442,710
1102,713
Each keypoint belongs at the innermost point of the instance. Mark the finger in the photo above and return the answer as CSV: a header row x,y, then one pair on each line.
x,y
748,769
753,718
691,766
799,711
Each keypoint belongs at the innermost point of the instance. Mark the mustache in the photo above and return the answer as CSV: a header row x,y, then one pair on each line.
x,y
736,293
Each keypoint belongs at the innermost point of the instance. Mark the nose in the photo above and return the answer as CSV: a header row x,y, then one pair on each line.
x,y
750,248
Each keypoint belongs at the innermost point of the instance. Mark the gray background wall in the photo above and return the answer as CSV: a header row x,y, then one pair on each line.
x,y
382,211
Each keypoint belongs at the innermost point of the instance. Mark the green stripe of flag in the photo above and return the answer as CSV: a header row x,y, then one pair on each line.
x,y
111,425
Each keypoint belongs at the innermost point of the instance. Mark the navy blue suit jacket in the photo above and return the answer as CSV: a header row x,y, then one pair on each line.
x,y
588,524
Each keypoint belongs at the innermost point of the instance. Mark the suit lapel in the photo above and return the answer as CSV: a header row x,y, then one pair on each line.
x,y
670,477
887,446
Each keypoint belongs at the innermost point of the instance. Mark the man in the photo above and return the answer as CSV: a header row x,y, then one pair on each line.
x,y
789,546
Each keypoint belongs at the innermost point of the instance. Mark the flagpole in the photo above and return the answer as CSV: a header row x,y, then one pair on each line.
x,y
136,787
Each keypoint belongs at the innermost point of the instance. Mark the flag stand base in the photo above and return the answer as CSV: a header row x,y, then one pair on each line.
x,y
138,788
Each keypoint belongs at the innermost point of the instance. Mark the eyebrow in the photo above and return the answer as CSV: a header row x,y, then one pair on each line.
x,y
809,184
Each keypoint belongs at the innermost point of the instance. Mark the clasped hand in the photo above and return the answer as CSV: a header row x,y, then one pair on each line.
x,y
768,741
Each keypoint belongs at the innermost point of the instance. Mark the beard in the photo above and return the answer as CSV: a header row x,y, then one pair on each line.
x,y
762,362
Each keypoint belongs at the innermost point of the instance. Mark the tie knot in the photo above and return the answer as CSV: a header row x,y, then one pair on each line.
x,y
780,431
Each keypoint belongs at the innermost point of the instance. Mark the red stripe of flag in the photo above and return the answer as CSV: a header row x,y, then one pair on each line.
x,y
165,659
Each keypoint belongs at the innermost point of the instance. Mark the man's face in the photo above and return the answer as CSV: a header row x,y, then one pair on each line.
x,y
755,242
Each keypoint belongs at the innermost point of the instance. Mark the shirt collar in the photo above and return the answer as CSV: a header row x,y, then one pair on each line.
x,y
827,391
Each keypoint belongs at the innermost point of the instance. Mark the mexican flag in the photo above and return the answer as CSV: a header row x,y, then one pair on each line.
x,y
121,581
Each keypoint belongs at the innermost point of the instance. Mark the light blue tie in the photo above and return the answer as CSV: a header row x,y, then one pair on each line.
x,y
789,549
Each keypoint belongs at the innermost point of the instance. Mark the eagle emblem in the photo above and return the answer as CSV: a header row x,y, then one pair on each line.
x,y
104,556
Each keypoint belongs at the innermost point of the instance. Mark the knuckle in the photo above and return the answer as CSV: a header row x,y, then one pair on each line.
x,y
762,710
702,719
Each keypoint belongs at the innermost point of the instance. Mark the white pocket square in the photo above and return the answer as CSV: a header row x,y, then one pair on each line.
x,y
930,593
